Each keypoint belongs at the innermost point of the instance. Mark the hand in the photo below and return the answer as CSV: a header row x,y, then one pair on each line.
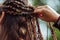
x,y
46,13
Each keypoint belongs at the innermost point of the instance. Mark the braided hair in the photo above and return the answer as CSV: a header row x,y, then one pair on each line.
x,y
19,22
14,25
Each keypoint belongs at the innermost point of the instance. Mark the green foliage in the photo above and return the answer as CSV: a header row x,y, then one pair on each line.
x,y
57,34
38,2
55,4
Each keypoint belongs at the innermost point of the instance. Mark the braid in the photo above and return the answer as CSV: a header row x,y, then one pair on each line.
x,y
19,22
16,7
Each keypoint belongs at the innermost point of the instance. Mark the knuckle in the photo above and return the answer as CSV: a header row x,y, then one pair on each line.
x,y
43,9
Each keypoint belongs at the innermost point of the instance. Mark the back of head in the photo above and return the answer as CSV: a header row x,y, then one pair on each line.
x,y
13,25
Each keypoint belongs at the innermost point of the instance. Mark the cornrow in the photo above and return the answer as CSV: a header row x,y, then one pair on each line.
x,y
19,22
16,7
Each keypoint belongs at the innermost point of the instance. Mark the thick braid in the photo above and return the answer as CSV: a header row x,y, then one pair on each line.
x,y
22,27
17,25
16,7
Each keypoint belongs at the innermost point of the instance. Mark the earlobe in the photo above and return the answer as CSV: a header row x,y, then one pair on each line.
x,y
1,17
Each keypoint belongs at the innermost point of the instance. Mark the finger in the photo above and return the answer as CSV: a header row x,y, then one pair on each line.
x,y
39,7
45,6
41,17
37,10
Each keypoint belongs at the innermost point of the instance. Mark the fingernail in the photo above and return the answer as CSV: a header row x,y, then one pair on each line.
x,y
41,15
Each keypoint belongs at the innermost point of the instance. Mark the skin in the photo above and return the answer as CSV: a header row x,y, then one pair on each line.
x,y
46,14
1,16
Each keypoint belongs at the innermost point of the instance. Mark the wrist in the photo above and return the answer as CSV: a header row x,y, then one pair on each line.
x,y
57,23
56,19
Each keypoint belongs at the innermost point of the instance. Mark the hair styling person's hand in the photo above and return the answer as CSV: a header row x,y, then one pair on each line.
x,y
46,13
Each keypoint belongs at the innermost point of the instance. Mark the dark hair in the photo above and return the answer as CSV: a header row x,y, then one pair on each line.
x,y
12,25
16,26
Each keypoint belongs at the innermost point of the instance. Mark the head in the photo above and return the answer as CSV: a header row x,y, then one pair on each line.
x,y
15,26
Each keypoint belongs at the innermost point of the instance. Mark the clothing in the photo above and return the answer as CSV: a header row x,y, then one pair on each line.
x,y
57,23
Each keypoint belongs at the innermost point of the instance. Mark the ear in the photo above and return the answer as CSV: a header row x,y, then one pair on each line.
x,y
2,16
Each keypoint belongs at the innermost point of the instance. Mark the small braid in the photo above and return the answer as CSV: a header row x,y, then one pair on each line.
x,y
19,24
16,7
